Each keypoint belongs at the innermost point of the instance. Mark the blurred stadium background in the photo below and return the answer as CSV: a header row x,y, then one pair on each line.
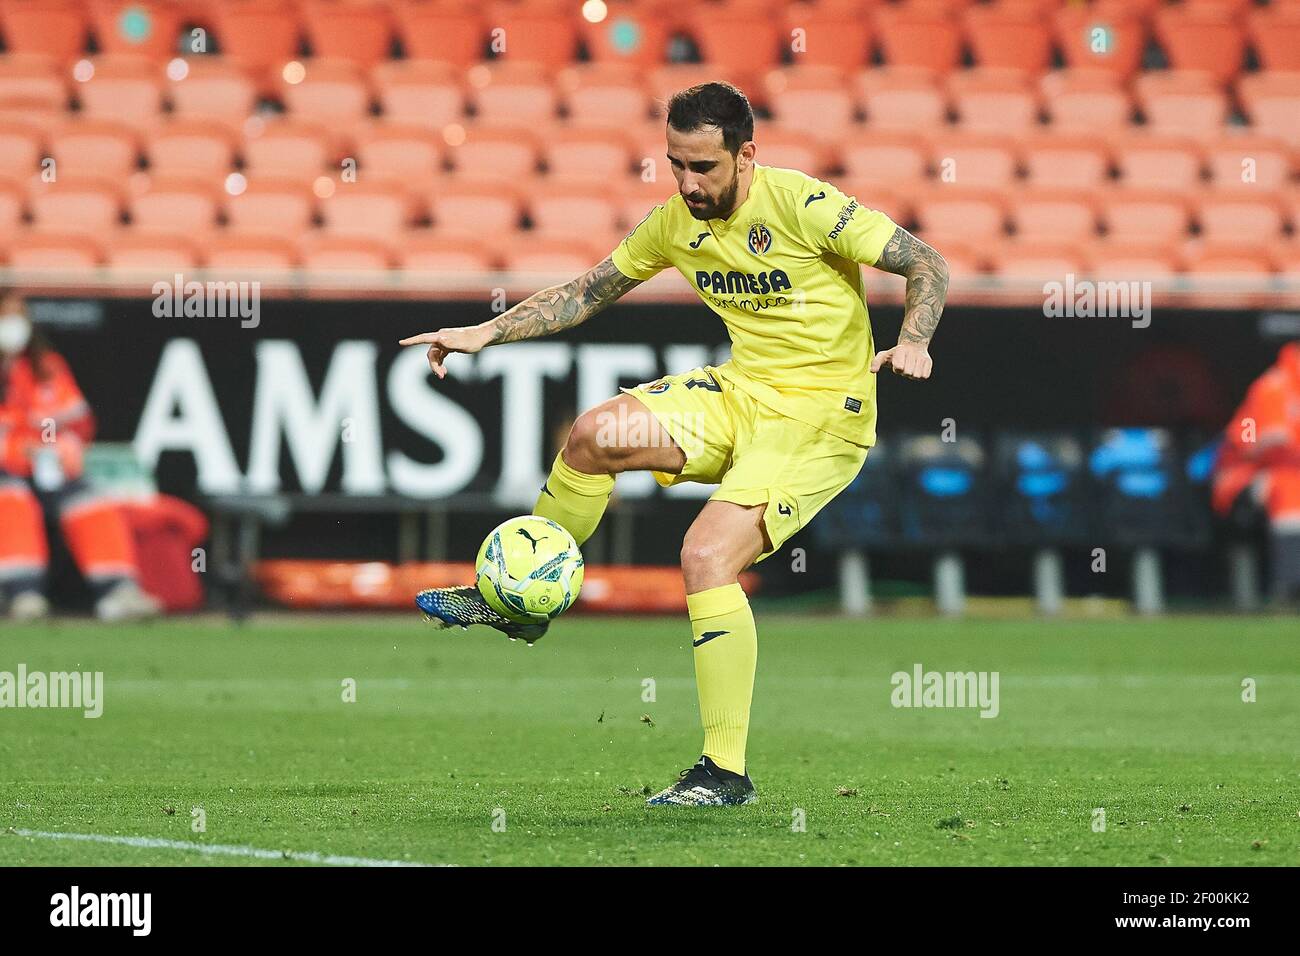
x,y
384,168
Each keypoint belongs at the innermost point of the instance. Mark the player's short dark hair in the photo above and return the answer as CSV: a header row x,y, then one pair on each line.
x,y
714,104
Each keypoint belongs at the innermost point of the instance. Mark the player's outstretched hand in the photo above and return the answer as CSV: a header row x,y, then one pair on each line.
x,y
442,343
906,359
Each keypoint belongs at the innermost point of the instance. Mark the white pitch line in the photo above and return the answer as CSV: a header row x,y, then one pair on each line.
x,y
216,849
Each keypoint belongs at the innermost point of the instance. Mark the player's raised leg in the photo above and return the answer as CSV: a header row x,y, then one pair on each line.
x,y
725,539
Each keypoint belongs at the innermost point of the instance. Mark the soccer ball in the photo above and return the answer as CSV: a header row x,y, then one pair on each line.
x,y
529,569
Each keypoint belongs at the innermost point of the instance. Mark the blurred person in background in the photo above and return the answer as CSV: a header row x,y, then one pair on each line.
x,y
45,425
1259,465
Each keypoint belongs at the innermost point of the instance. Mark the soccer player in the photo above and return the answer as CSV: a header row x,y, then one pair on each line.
x,y
781,428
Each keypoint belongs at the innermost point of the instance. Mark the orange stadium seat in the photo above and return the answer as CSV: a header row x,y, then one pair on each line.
x,y
87,206
1155,215
560,209
238,253
1286,258
888,156
1036,260
993,98
513,92
1114,259
53,27
125,89
901,98
635,199
145,28
184,205
1205,257
973,159
1240,217
1054,214
916,37
334,254
627,35
496,152
590,155
191,147
398,151
842,40
790,149
1075,160
420,92
603,94
32,81
421,250
13,204
894,199
650,149
474,209
358,31
1275,35
1181,101
161,253
212,88
1272,101
1080,99
525,33
258,35
1202,40
1008,38
743,45
332,92
1090,38
94,147
812,98
971,213
431,31
39,251
525,252
288,148
22,147
1249,162
663,81
1157,162
270,206
367,210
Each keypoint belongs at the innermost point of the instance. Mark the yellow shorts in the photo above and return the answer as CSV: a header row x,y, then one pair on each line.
x,y
755,455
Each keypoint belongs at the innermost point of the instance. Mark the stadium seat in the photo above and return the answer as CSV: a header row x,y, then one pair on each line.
x,y
815,99
1054,214
419,92
993,99
970,213
13,204
36,251
865,514
359,30
1008,39
1044,490
51,27
1116,259
901,98
513,92
527,33
884,155
1157,162
423,251
1085,100
147,28
364,209
179,204
1233,257
663,81
603,94
22,147
559,209
636,198
1090,39
1037,259
330,255
288,148
972,159
332,92
558,257
126,90
474,209
1156,215
743,45
916,37
892,197
431,31
1141,486
32,82
590,155
1272,101
212,88
627,35
1286,258
260,36
842,40
1248,162
95,148
398,151
81,206
1181,101
159,253
496,152
239,253
191,147
790,149
1275,36
944,492
1065,160
270,206
1206,40
1240,216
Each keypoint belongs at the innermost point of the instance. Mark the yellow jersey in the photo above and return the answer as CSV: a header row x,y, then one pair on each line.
x,y
783,273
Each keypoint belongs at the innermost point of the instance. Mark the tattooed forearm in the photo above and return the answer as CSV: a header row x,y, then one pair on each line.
x,y
562,306
927,283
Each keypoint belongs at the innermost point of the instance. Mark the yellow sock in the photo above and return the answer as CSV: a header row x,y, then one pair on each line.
x,y
573,500
726,652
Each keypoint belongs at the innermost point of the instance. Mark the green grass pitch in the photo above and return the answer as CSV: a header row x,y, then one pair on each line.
x,y
453,731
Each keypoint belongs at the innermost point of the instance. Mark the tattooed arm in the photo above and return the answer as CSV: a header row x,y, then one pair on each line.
x,y
543,313
927,287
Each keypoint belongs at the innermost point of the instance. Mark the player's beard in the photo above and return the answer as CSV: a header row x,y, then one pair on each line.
x,y
722,208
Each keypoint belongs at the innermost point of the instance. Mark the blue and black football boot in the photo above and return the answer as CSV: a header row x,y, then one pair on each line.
x,y
707,785
463,606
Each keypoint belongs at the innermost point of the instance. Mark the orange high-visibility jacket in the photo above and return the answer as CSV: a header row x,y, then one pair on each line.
x,y
1265,431
30,403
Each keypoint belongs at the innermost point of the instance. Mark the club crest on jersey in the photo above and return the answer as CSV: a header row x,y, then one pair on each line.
x,y
760,239
655,388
